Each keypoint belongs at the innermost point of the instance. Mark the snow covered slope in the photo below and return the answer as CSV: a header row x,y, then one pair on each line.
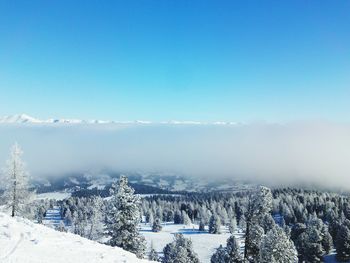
x,y
23,241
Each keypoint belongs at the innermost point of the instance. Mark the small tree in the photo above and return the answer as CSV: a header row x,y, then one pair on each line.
x,y
16,192
232,225
220,255
177,217
157,226
40,214
214,225
153,255
61,227
96,219
179,251
228,254
151,219
201,225
185,218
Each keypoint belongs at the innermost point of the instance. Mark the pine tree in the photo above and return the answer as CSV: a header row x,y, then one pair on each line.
x,y
253,239
309,245
16,194
268,223
185,218
123,219
342,244
220,255
40,214
177,217
214,225
201,225
232,248
276,247
233,225
179,251
153,255
157,226
96,219
68,218
327,240
61,227
259,205
151,219
228,254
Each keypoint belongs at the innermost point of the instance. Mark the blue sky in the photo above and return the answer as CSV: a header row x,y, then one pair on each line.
x,y
184,60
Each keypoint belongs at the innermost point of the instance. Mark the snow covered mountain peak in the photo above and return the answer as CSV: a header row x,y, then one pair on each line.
x,y
24,118
19,118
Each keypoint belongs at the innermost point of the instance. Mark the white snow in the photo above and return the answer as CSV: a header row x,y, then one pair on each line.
x,y
23,241
53,195
204,244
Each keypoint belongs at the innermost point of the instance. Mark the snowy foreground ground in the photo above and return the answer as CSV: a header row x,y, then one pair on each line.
x,y
22,241
204,244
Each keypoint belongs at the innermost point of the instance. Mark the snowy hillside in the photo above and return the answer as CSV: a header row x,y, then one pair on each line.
x,y
24,241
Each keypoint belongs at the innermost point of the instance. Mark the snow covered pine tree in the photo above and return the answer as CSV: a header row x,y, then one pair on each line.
x,y
277,247
214,225
229,254
16,194
157,226
259,204
124,218
179,251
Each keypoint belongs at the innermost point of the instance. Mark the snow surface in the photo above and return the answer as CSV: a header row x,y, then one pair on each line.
x,y
23,241
53,195
204,244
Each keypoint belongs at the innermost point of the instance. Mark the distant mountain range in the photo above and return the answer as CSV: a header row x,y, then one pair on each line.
x,y
24,118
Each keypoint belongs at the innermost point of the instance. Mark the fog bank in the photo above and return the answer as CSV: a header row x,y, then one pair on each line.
x,y
274,153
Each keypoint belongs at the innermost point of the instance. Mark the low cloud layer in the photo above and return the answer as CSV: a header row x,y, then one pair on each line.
x,y
292,153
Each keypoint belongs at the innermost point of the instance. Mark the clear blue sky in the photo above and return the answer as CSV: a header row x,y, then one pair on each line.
x,y
185,60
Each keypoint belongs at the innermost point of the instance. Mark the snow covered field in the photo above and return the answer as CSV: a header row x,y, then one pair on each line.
x,y
22,241
204,244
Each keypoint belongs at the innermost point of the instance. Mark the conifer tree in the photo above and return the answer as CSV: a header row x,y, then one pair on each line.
x,y
153,255
276,247
157,226
232,225
232,248
220,255
179,251
342,244
96,219
259,205
201,225
214,225
16,194
123,219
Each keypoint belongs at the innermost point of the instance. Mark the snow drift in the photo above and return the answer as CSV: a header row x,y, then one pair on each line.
x,y
24,241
